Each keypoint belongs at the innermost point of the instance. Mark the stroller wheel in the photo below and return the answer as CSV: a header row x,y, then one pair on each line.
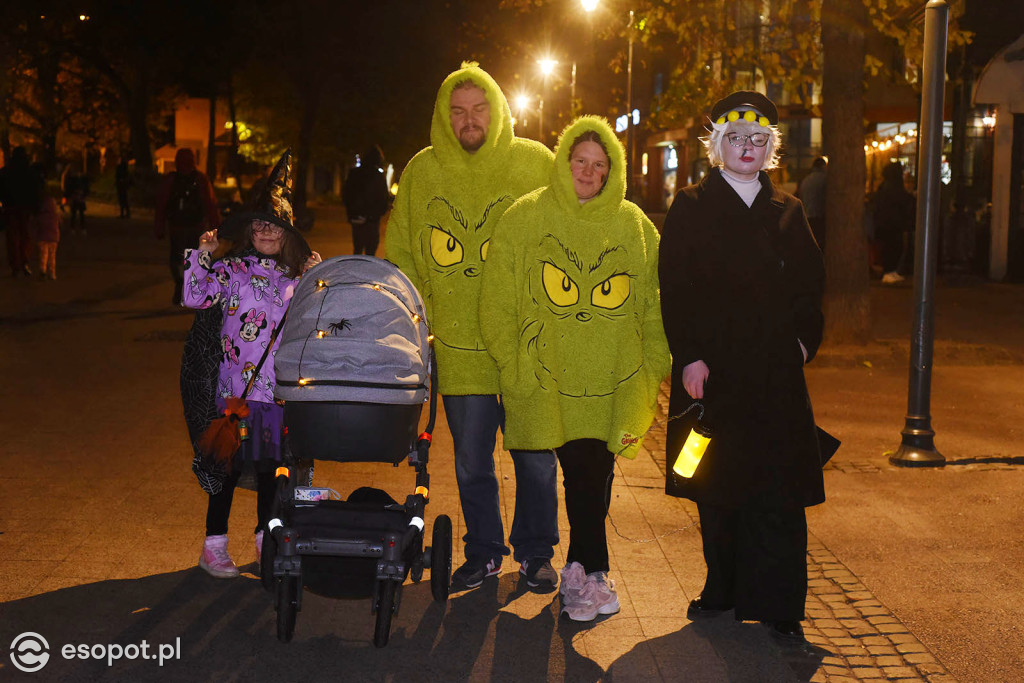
x,y
441,558
287,606
386,608
267,553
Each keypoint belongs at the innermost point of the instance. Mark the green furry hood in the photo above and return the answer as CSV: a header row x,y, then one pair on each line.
x,y
499,134
614,190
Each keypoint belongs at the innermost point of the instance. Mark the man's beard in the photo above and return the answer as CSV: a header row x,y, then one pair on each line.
x,y
475,145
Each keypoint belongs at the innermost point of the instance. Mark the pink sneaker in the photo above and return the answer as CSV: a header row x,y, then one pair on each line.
x,y
597,597
215,559
259,546
573,578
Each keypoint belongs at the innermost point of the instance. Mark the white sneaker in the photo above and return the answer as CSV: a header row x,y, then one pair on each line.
x,y
573,578
892,278
597,597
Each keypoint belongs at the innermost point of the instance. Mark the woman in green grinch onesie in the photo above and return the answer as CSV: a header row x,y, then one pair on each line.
x,y
449,199
570,313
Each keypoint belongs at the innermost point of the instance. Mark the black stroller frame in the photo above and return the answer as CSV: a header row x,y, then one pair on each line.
x,y
369,526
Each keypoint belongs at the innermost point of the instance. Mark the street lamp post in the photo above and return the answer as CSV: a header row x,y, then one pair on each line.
x,y
573,109
917,447
547,66
629,112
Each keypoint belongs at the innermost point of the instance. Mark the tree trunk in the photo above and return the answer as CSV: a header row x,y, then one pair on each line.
x,y
138,120
847,293
234,161
211,141
303,159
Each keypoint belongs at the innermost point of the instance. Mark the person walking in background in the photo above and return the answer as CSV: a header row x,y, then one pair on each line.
x,y
366,198
47,235
892,213
449,199
569,311
75,186
19,199
185,208
741,290
812,193
123,181
256,279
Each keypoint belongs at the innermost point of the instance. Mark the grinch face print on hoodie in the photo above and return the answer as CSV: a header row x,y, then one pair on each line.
x,y
456,249
581,291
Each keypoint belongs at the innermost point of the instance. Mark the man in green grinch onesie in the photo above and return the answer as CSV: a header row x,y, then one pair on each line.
x,y
449,199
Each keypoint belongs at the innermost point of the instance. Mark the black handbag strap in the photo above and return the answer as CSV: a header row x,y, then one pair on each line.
x,y
263,358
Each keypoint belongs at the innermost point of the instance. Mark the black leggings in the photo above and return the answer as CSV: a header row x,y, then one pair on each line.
x,y
366,236
219,507
587,477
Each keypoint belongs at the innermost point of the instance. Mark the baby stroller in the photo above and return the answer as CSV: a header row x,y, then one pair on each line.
x,y
354,367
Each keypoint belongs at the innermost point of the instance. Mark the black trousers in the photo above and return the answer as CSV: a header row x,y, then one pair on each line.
x,y
219,507
757,562
366,237
587,472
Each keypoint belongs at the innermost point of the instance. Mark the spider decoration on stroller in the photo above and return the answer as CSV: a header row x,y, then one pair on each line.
x,y
354,367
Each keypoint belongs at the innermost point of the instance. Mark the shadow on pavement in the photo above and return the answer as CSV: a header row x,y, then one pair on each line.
x,y
719,650
227,632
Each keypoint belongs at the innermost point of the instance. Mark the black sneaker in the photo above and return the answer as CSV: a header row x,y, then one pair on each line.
x,y
473,572
539,573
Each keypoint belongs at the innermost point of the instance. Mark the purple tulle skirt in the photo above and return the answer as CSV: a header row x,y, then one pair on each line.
x,y
266,426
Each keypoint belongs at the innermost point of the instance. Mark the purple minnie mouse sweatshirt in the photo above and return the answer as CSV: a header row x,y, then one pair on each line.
x,y
256,291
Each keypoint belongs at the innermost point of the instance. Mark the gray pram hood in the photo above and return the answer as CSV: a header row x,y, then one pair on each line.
x,y
356,331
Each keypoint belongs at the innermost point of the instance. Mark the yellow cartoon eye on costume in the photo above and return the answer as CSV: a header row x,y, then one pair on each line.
x,y
445,249
483,250
560,288
612,292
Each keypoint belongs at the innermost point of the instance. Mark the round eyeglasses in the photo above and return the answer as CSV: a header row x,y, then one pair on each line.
x,y
266,228
756,139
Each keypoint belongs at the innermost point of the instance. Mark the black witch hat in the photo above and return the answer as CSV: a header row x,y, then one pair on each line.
x,y
274,203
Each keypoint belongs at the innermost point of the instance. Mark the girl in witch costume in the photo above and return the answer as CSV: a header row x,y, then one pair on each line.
x,y
261,271
569,311
741,288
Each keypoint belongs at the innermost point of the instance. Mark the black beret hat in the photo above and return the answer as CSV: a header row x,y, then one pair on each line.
x,y
745,100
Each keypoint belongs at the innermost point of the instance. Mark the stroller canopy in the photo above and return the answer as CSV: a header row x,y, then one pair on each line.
x,y
356,331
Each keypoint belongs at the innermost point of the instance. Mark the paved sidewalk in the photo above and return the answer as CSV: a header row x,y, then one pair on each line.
x,y
915,575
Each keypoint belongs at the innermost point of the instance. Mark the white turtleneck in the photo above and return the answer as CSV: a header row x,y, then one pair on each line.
x,y
746,189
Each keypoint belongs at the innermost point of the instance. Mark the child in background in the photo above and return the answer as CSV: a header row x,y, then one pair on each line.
x,y
47,235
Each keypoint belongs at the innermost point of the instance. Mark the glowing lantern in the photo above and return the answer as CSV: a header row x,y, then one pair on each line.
x,y
692,451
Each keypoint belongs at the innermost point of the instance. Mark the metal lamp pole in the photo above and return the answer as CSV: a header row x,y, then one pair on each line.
x,y
629,112
572,104
918,445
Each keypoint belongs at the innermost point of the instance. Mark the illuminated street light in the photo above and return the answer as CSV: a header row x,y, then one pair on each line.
x,y
589,5
547,66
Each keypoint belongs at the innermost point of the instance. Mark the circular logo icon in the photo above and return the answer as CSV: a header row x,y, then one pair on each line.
x,y
30,652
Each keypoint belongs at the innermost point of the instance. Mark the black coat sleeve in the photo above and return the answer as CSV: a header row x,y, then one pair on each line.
x,y
805,277
678,296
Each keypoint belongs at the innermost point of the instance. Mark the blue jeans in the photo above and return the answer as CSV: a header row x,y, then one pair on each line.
x,y
474,422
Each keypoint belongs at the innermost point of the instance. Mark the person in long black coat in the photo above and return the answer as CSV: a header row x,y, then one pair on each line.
x,y
741,287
